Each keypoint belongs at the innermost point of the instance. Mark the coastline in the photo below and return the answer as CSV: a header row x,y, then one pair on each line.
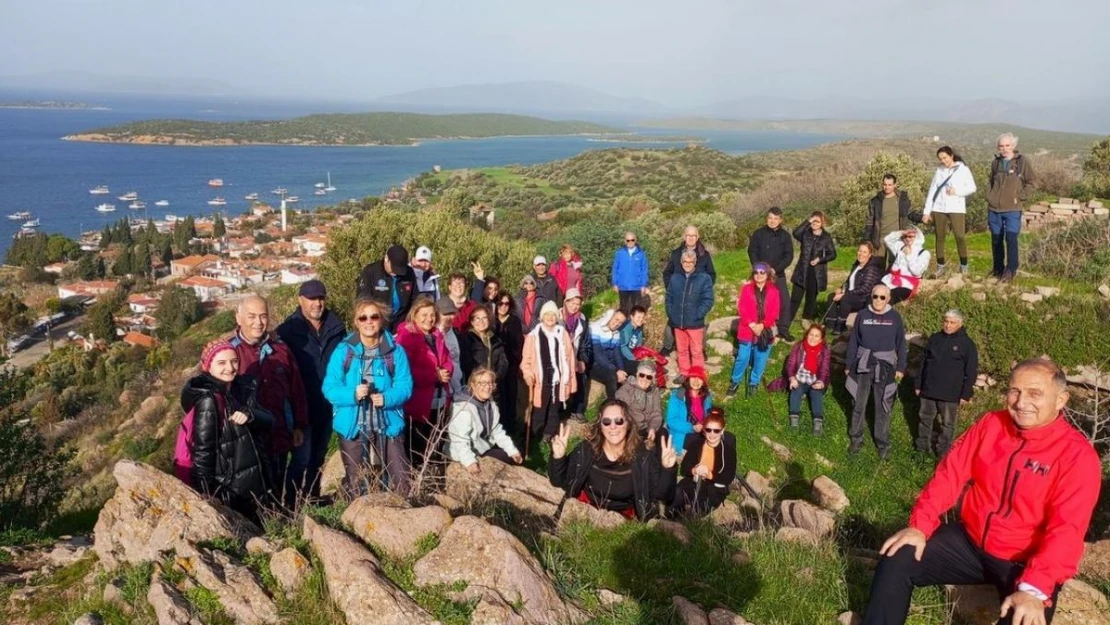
x,y
170,141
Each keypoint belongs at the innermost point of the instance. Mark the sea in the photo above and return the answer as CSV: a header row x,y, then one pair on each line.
x,y
51,178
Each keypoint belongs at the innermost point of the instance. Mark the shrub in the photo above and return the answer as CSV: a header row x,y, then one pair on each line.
x,y
1096,169
1078,250
856,192
595,240
32,475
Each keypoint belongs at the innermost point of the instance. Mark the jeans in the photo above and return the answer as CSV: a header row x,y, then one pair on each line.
x,y
748,353
297,479
308,459
949,558
816,400
1005,227
948,411
690,344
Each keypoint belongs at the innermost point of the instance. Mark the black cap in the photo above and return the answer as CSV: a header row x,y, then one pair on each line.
x,y
312,288
398,259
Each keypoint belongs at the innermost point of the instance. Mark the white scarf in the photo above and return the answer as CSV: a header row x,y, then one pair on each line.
x,y
555,343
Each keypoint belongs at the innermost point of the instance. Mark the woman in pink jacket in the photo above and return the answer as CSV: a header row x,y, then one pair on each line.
x,y
567,271
757,306
431,367
548,367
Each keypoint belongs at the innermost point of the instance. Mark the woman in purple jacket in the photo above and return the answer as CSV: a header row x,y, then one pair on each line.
x,y
807,371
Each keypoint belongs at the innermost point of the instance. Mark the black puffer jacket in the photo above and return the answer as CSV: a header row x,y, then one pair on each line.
x,y
489,353
229,461
867,277
650,481
813,246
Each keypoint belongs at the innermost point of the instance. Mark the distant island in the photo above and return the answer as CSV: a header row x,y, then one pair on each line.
x,y
354,129
636,138
47,104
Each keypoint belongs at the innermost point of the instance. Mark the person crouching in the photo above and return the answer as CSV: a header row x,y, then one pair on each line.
x,y
475,427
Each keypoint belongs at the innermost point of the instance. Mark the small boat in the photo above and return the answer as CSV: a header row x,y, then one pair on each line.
x,y
280,191
219,201
130,196
162,203
251,196
292,199
106,208
216,182
319,192
329,188
320,185
99,190
137,205
34,223
171,218
20,216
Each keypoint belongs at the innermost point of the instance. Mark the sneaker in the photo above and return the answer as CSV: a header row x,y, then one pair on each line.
x,y
786,336
939,273
732,388
854,448
818,426
963,270
1007,276
794,419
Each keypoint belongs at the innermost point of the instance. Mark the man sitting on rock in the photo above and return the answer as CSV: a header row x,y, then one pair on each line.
x,y
1029,482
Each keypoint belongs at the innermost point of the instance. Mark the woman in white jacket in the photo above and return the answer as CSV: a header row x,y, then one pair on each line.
x,y
475,427
911,260
946,204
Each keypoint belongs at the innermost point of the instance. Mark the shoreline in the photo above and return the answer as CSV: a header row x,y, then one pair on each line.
x,y
169,141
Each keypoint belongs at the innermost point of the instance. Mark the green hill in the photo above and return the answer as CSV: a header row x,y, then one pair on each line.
x,y
335,129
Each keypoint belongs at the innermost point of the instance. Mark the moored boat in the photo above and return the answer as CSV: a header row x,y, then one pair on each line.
x,y
106,208
99,190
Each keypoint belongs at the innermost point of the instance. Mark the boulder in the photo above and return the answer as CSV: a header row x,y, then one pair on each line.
x,y
1048,291
290,569
450,504
517,486
152,512
721,347
492,610
721,616
955,283
356,582
722,326
1096,560
829,494
331,476
608,597
1031,298
491,559
170,606
673,528
258,545
240,592
760,484
89,618
849,618
113,591
1104,290
796,535
387,522
689,613
782,452
727,515
574,510
804,515
68,551
1077,604
979,296
151,409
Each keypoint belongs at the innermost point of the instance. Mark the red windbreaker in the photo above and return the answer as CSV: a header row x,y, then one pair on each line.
x,y
1030,494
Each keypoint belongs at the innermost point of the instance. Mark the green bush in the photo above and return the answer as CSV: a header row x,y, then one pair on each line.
x,y
1078,250
1096,169
856,192
32,473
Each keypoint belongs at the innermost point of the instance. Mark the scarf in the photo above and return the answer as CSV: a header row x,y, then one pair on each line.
x,y
529,300
812,356
695,406
571,321
554,340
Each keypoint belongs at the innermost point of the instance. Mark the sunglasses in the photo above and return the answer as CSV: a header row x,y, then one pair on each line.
x,y
713,430
373,317
618,421
880,297
645,376
630,240
504,303
759,272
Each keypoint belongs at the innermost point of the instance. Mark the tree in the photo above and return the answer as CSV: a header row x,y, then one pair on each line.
x,y
59,248
179,310
219,228
105,238
32,476
101,322
850,219
15,318
140,260
122,266
1096,169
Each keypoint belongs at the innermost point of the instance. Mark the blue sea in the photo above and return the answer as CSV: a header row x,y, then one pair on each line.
x,y
51,178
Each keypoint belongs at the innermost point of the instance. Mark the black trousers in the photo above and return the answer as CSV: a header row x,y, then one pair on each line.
x,y
576,404
949,558
848,304
498,454
809,292
948,411
545,418
785,313
507,390
628,299
870,388
899,294
697,500
606,376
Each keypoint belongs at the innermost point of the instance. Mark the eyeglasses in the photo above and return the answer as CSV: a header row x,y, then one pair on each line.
x,y
486,384
759,272
881,298
373,317
482,318
645,376
504,303
713,430
618,421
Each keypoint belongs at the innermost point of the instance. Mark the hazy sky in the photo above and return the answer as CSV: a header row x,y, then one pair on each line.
x,y
682,52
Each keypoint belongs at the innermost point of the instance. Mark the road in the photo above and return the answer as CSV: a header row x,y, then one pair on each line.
x,y
27,357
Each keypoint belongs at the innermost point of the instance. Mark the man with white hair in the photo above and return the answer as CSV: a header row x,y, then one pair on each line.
x,y
947,379
1011,183
703,263
874,364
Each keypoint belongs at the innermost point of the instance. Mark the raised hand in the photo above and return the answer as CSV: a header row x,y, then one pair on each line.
x,y
479,273
559,441
667,455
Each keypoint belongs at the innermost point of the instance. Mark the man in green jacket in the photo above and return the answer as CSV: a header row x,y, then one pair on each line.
x,y
1011,182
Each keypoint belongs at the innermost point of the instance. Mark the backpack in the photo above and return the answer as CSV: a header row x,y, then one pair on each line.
x,y
183,447
349,357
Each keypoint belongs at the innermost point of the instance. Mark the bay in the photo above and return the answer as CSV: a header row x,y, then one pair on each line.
x,y
51,178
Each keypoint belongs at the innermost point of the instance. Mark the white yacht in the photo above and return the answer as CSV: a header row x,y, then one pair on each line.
x,y
99,190
130,196
20,216
34,223
137,205
251,197
329,188
162,203
106,208
218,201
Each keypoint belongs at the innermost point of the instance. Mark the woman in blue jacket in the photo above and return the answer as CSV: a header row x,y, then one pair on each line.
x,y
630,274
368,382
688,406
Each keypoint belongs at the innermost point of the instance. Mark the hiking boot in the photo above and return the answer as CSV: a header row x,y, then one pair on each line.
x,y
853,448
1007,276
786,336
732,388
963,270
939,273
794,419
818,426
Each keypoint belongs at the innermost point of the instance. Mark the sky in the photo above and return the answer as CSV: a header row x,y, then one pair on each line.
x,y
680,53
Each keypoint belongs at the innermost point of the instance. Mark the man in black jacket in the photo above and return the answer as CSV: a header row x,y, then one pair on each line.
x,y
773,245
946,382
546,285
312,333
691,240
389,281
889,211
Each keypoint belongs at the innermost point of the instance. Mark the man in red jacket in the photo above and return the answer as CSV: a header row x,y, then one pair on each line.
x,y
280,390
1029,482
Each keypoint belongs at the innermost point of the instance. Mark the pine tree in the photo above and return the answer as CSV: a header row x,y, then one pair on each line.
x,y
219,228
105,238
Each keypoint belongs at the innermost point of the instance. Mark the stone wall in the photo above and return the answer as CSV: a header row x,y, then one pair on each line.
x,y
1042,213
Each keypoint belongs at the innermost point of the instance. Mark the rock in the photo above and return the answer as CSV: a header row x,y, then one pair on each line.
x,y
823,461
66,553
721,616
486,556
240,592
673,528
782,452
151,409
126,397
713,360
89,618
1077,604
492,610
517,486
258,545
712,370
955,283
979,296
290,569
740,558
385,521
152,512
574,510
721,347
689,613
170,606
1096,560
1095,204
849,618
1031,298
829,494
804,515
1091,377
608,597
113,591
1104,290
356,582
796,535
448,503
331,477
760,484
1048,291
722,326
727,515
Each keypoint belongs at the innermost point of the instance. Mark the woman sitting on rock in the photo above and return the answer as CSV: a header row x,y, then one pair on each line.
x,y
221,447
911,260
641,397
612,470
808,372
688,406
475,427
708,467
855,293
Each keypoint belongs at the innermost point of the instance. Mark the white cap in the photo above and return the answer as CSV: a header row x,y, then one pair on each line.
x,y
423,253
539,260
572,293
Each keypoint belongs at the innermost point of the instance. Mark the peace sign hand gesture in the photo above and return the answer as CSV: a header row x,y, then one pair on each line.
x,y
667,455
559,441
476,267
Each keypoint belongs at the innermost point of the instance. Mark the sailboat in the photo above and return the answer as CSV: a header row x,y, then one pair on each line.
x,y
329,188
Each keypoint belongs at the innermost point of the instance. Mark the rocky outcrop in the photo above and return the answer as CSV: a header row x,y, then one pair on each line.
x,y
727,515
1096,560
290,569
830,495
152,512
721,616
673,528
1077,604
804,515
517,486
170,606
386,521
491,559
796,535
574,510
357,584
689,612
492,610
331,476
240,592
